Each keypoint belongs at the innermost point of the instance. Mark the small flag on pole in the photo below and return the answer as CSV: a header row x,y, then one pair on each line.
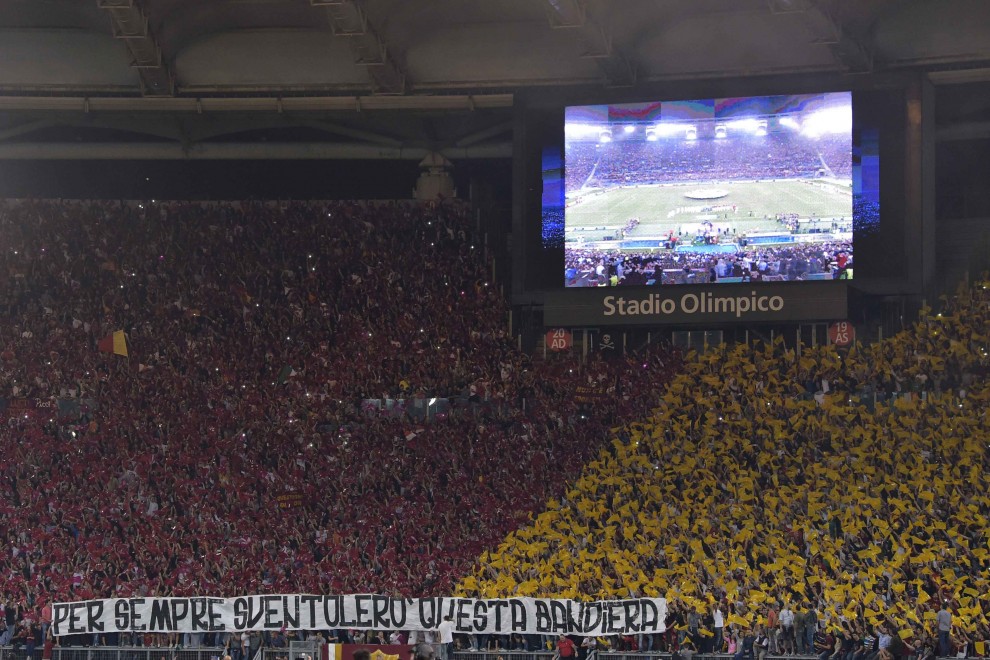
x,y
115,343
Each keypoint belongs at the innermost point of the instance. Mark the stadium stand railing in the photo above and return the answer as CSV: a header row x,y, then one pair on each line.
x,y
115,653
295,651
307,651
506,655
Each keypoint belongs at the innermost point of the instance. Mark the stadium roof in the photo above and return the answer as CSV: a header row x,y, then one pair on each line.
x,y
198,56
331,47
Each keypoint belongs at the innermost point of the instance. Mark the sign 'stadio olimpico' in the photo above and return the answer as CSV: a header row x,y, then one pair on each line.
x,y
807,301
691,303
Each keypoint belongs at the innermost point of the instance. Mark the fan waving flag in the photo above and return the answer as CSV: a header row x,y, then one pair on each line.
x,y
115,343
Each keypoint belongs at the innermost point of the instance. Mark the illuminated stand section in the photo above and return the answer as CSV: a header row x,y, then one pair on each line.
x,y
719,190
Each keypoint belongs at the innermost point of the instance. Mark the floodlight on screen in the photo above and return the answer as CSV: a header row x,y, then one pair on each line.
x,y
831,121
789,122
748,125
629,128
579,131
666,130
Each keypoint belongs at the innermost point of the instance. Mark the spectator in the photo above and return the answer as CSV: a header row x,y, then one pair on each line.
x,y
787,637
445,633
944,625
824,644
423,652
761,644
747,646
566,647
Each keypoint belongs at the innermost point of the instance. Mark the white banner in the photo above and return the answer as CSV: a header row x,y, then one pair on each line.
x,y
365,611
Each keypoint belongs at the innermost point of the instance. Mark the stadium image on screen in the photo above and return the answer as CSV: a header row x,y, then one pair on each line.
x,y
720,190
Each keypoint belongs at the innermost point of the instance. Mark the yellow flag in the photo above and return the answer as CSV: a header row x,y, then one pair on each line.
x,y
738,620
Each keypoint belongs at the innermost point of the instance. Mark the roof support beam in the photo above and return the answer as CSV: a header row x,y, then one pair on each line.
x,y
486,134
349,131
596,38
256,104
349,20
130,24
854,55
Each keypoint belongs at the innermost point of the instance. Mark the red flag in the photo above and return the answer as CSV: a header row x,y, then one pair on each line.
x,y
115,343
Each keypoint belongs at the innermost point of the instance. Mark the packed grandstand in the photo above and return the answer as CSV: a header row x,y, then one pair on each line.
x,y
259,436
777,263
777,155
237,439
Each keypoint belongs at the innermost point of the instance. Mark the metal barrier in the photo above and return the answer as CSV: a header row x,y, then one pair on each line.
x,y
650,655
606,655
295,651
300,650
113,653
662,655
134,653
504,655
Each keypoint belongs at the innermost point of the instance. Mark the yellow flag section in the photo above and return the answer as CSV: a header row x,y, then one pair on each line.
x,y
752,482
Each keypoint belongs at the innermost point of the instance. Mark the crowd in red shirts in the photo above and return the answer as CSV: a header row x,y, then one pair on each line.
x,y
228,452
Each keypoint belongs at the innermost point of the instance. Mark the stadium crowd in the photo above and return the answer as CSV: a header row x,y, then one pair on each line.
x,y
842,494
227,452
778,155
754,263
815,500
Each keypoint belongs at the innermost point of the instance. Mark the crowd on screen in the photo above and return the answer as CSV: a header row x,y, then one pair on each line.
x,y
595,267
227,453
778,155
817,500
553,226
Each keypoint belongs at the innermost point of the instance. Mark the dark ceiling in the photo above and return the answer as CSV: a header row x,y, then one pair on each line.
x,y
232,47
387,79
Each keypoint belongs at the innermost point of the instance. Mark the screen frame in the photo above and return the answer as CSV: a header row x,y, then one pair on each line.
x,y
883,99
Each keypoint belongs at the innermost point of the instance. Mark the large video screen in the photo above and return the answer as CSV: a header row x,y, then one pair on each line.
x,y
724,190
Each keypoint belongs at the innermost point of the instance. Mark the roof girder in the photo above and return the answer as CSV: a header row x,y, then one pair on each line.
x,y
596,38
130,24
348,19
